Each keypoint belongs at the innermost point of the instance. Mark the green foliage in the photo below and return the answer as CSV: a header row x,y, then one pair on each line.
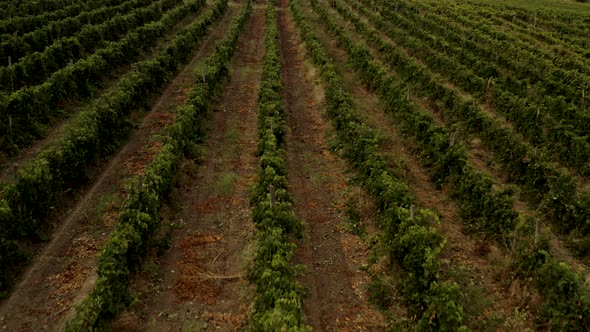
x,y
23,8
380,294
57,81
549,126
57,42
568,303
411,240
485,209
97,132
418,248
139,219
443,311
9,254
354,218
29,21
278,298
39,39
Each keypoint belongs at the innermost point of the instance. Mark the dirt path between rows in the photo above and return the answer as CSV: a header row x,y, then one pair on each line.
x,y
337,298
65,271
200,283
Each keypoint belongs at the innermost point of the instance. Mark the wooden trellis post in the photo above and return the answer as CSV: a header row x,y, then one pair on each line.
x,y
140,184
15,171
271,189
537,231
10,70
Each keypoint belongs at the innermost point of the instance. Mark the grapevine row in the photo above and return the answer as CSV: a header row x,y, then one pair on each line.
x,y
35,67
538,127
21,8
561,98
28,23
567,303
17,46
411,239
95,133
482,207
139,219
564,24
525,166
488,23
25,112
278,297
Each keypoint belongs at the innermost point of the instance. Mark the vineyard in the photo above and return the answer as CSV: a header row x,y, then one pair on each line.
x,y
294,165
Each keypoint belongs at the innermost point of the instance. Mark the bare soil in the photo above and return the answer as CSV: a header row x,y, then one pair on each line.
x,y
337,287
200,282
65,270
